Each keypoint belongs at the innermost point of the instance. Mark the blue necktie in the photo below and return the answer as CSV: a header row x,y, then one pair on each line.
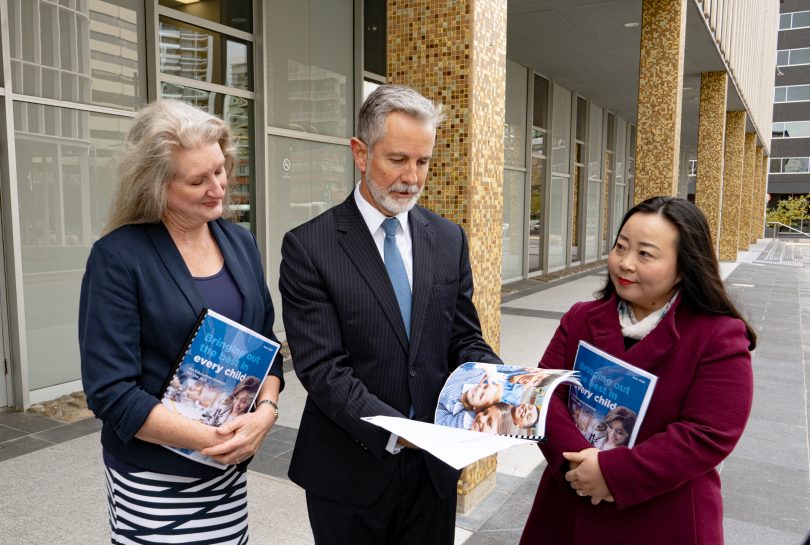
x,y
396,271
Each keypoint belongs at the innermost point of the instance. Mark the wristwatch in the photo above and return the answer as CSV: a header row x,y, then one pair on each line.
x,y
271,403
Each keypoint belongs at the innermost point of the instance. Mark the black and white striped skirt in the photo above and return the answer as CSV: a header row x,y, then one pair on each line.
x,y
147,507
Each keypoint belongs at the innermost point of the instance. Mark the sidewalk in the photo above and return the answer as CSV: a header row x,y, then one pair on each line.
x,y
53,484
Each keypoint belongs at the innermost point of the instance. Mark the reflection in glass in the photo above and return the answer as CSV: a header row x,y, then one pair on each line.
x,y
204,55
89,52
304,179
375,36
561,131
238,112
311,65
237,14
795,164
558,222
536,214
514,131
512,228
64,188
592,220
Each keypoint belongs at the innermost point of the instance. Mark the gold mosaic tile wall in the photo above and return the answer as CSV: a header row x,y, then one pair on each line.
x,y
734,163
455,53
659,97
747,191
711,138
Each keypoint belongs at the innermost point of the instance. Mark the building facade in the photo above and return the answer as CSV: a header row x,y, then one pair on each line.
x,y
790,154
561,115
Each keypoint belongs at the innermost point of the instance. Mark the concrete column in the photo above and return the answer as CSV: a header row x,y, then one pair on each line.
x,y
746,205
659,97
758,196
711,138
734,162
455,53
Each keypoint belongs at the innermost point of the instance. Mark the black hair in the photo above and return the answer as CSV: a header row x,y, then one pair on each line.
x,y
701,288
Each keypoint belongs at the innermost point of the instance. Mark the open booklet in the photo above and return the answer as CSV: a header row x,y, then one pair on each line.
x,y
611,402
491,407
219,372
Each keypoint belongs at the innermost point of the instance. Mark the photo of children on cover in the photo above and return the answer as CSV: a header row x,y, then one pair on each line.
x,y
609,405
498,399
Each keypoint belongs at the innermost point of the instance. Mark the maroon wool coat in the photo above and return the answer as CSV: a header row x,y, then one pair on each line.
x,y
666,488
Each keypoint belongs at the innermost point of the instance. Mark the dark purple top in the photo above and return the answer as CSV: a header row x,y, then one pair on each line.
x,y
221,294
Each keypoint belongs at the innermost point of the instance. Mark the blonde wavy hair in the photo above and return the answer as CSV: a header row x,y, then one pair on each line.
x,y
146,165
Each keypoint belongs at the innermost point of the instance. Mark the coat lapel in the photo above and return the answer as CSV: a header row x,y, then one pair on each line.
x,y
603,325
422,240
173,261
357,242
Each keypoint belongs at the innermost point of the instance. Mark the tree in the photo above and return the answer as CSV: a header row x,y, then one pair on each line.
x,y
792,209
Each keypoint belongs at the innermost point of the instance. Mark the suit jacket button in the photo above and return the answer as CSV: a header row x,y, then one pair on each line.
x,y
412,372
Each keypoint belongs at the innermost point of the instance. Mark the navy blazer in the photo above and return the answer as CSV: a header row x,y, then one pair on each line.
x,y
138,305
350,349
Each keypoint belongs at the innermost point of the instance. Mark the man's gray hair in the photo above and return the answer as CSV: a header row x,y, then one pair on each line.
x,y
394,98
146,164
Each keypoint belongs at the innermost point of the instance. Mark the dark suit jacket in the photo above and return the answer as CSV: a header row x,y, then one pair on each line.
x,y
138,305
666,487
351,352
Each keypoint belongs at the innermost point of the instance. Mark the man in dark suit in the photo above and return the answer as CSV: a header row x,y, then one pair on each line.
x,y
377,303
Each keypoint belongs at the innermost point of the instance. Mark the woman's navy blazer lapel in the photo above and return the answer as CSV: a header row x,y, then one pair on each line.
x,y
179,273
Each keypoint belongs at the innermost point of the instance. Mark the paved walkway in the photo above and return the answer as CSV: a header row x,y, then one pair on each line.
x,y
53,487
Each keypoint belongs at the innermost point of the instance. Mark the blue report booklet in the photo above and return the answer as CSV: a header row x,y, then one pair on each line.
x,y
220,371
609,405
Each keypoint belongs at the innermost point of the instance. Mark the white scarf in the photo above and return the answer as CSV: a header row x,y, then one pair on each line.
x,y
638,329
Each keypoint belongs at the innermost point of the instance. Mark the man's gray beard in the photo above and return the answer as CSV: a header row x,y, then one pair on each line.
x,y
392,204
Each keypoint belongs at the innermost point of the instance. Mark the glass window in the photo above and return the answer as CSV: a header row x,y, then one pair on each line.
x,y
93,54
514,133
798,93
800,56
784,21
801,19
375,36
795,165
780,94
558,222
204,55
237,14
304,179
593,202
310,62
791,129
776,166
540,115
561,131
512,228
64,190
582,118
536,213
782,57
238,112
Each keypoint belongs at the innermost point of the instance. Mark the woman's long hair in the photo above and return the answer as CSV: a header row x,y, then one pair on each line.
x,y
701,287
146,165
249,384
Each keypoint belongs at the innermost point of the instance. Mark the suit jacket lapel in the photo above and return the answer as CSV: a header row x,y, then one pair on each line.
x,y
359,245
173,261
422,241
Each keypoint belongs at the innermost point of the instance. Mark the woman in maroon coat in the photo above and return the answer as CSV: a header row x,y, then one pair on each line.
x,y
663,309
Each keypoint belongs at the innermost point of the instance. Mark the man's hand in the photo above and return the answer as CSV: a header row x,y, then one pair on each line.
x,y
407,444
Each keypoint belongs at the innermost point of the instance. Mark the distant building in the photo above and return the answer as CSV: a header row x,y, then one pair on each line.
x,y
790,150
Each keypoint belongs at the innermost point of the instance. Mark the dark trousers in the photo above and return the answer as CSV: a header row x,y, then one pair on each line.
x,y
409,512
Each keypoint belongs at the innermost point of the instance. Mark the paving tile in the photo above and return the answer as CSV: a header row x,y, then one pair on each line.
x,y
69,431
7,434
28,423
270,465
273,447
284,433
23,445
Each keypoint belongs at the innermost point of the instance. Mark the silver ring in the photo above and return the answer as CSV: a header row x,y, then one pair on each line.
x,y
580,493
